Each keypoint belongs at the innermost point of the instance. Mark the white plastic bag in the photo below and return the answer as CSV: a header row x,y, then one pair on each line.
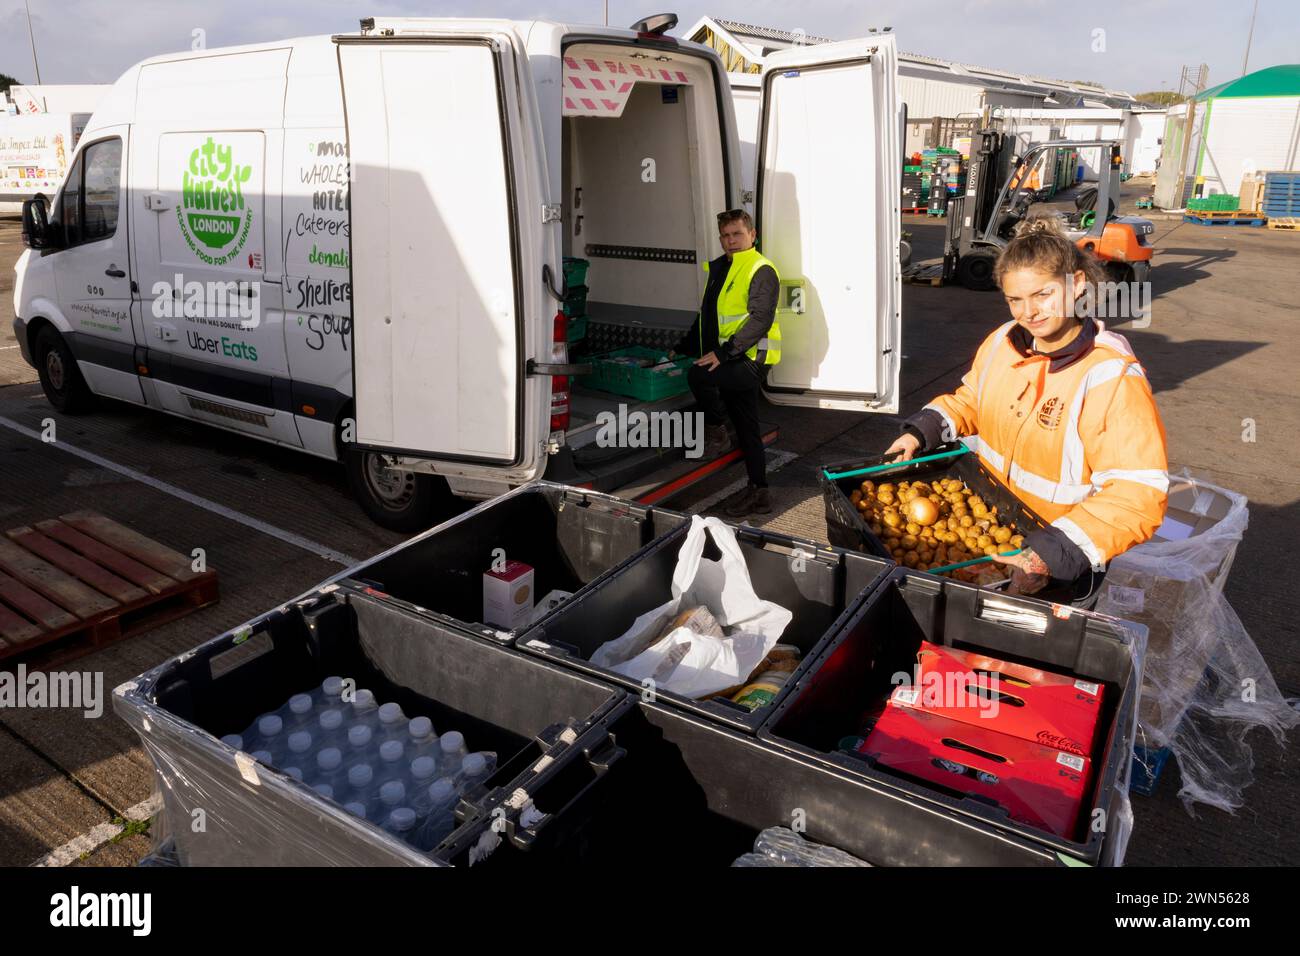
x,y
683,661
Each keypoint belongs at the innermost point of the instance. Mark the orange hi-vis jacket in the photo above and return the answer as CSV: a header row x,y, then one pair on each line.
x,y
1077,437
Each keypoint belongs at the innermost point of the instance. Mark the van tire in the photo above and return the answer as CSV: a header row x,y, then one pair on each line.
x,y
61,379
398,501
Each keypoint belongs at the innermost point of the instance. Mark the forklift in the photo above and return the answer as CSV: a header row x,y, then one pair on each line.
x,y
982,222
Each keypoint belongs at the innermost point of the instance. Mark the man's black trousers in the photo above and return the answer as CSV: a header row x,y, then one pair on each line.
x,y
731,391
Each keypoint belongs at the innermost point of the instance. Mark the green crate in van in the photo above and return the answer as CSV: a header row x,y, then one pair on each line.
x,y
609,374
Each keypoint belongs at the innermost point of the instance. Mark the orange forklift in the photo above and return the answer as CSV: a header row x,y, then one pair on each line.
x,y
982,222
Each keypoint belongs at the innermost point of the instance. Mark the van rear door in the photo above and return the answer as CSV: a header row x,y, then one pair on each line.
x,y
438,314
829,170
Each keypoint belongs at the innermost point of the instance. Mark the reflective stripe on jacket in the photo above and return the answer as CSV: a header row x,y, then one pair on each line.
x,y
1082,446
733,305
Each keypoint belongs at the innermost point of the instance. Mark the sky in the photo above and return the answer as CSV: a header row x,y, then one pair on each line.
x,y
1137,46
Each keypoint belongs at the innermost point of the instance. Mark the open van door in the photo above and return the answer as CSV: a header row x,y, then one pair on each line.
x,y
438,360
829,176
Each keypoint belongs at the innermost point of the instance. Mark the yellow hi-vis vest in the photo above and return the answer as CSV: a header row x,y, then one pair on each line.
x,y
733,305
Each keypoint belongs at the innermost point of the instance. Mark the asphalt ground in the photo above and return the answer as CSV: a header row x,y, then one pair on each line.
x,y
1220,349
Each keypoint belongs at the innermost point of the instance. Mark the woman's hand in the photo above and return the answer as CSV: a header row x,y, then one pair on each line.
x,y
903,449
1029,572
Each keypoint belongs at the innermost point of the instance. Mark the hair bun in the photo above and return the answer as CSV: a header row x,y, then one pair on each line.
x,y
1041,225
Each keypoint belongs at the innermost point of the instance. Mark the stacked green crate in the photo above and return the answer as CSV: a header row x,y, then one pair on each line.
x,y
1219,202
575,297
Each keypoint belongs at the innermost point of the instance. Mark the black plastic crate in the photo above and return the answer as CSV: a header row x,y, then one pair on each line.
x,y
853,677
681,793
846,527
820,589
571,537
501,700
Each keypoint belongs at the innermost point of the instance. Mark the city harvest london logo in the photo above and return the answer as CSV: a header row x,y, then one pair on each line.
x,y
77,909
213,216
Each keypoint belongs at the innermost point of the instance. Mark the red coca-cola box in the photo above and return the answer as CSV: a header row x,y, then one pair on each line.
x,y
1039,786
1024,701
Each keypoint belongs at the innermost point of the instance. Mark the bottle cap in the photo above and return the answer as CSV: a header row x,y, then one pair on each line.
x,y
329,758
270,725
233,740
390,713
361,775
263,755
300,703
332,686
403,818
295,772
474,765
422,768
300,742
393,792
453,741
331,719
356,808
440,790
325,790
420,727
359,735
390,751
364,700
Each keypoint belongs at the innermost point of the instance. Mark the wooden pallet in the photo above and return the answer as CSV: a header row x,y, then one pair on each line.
x,y
72,585
1224,219
923,275
1286,223
914,210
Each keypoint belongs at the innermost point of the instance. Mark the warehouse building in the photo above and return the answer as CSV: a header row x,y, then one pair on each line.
x,y
1250,124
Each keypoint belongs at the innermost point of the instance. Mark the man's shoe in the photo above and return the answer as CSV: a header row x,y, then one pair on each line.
x,y
762,501
716,440
742,502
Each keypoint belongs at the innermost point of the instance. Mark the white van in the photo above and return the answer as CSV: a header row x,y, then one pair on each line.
x,y
353,245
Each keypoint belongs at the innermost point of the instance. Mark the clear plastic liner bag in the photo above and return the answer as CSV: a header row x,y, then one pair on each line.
x,y
1205,684
781,846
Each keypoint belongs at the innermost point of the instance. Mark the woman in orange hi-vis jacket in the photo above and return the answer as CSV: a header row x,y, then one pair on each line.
x,y
1061,411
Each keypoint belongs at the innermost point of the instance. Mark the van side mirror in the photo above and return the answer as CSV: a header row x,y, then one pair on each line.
x,y
36,224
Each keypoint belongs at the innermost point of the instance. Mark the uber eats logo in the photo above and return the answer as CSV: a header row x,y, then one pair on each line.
x,y
213,217
221,345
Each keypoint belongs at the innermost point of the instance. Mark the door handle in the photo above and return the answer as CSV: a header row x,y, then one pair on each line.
x,y
115,273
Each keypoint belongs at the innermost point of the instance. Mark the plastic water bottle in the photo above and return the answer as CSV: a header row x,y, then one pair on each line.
x,y
234,740
391,765
365,710
325,790
440,818
328,694
423,773
451,747
329,728
271,736
329,768
296,714
359,746
392,795
474,769
421,740
401,824
299,749
392,722
360,788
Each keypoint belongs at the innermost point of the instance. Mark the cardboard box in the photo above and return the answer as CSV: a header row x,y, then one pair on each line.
x,y
1026,702
508,595
1172,607
1039,786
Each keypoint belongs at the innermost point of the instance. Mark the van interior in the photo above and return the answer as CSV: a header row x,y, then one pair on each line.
x,y
641,193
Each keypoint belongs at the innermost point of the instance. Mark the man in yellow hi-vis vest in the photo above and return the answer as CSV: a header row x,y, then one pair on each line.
x,y
737,338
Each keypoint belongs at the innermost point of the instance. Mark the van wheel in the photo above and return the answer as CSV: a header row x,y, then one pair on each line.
x,y
61,380
395,499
